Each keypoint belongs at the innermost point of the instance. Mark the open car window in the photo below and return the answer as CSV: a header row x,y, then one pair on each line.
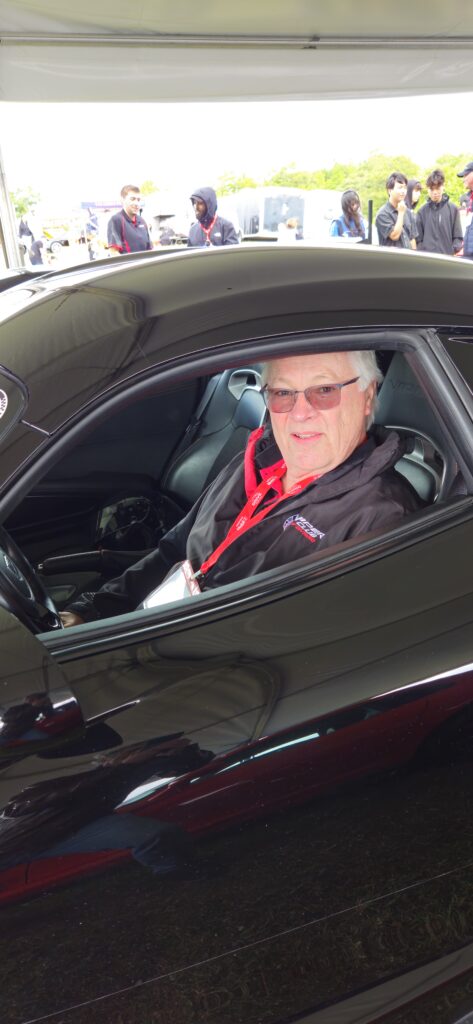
x,y
120,490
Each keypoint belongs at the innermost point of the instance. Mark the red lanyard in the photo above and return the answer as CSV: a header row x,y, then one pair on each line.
x,y
246,519
208,230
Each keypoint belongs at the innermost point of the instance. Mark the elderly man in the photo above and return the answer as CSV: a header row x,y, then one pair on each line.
x,y
310,479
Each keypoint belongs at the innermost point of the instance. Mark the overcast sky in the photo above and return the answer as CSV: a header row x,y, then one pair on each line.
x,y
75,152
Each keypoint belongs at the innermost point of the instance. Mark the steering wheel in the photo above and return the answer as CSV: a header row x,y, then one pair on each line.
x,y
21,590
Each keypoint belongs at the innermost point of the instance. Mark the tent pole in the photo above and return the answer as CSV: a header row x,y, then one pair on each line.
x,y
9,245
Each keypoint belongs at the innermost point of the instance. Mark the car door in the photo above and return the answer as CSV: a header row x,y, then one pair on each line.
x,y
263,809
173,885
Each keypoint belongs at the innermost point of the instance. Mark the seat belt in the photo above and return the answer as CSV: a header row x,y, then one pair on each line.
x,y
194,422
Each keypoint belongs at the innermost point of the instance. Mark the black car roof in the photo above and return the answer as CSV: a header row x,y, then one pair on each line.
x,y
72,336
210,297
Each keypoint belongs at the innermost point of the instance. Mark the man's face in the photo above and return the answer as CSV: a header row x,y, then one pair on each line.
x,y
397,193
132,203
313,441
468,180
435,192
200,208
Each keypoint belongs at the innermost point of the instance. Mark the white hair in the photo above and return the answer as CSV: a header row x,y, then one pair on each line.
x,y
365,366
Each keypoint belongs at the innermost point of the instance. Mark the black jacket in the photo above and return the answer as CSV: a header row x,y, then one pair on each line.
x,y
222,232
439,227
362,494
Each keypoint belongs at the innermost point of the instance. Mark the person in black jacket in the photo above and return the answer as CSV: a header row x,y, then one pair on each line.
x,y
312,478
439,226
209,229
35,254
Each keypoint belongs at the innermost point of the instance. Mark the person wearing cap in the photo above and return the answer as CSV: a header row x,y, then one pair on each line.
x,y
467,175
314,476
209,229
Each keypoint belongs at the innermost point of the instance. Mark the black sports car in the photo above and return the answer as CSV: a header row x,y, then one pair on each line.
x,y
253,806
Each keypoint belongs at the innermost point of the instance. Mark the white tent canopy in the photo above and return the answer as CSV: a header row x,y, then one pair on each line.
x,y
158,50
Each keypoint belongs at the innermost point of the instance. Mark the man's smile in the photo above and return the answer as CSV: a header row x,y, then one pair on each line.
x,y
305,435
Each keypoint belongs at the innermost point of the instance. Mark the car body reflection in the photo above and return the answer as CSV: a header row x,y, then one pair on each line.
x,y
152,802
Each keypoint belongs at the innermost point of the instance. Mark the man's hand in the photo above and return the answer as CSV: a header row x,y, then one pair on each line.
x,y
70,619
401,207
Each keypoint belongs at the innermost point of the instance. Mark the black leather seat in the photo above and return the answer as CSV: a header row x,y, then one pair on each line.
x,y
403,406
232,409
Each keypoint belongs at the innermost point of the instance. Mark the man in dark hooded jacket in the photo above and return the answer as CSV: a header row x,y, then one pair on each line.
x,y
439,226
209,229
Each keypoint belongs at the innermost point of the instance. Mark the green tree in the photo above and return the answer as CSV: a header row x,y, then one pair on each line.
x,y
368,177
229,183
290,177
24,201
148,187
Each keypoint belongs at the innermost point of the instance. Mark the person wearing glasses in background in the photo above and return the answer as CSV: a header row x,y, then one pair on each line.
x,y
315,475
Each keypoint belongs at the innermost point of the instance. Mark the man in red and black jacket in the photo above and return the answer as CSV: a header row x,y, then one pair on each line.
x,y
311,479
127,231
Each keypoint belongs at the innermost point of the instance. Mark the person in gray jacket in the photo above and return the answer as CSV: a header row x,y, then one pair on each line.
x,y
439,226
209,229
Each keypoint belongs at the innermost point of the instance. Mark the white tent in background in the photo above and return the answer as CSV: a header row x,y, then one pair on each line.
x,y
100,51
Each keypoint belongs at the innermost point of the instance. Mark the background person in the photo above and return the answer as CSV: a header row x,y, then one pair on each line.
x,y
209,229
414,190
288,231
439,226
312,478
394,221
126,230
351,223
35,253
91,234
467,175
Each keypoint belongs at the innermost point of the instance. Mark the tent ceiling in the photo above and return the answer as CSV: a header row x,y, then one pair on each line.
x,y
158,50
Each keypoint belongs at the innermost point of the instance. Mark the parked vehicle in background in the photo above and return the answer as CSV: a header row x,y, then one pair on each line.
x,y
55,245
260,211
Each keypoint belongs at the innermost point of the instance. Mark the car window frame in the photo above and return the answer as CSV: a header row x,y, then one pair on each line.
x,y
424,351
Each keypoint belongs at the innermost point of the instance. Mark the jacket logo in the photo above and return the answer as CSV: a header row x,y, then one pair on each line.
x,y
304,527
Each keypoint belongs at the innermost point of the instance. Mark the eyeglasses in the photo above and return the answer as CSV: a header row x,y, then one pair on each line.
x,y
321,396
